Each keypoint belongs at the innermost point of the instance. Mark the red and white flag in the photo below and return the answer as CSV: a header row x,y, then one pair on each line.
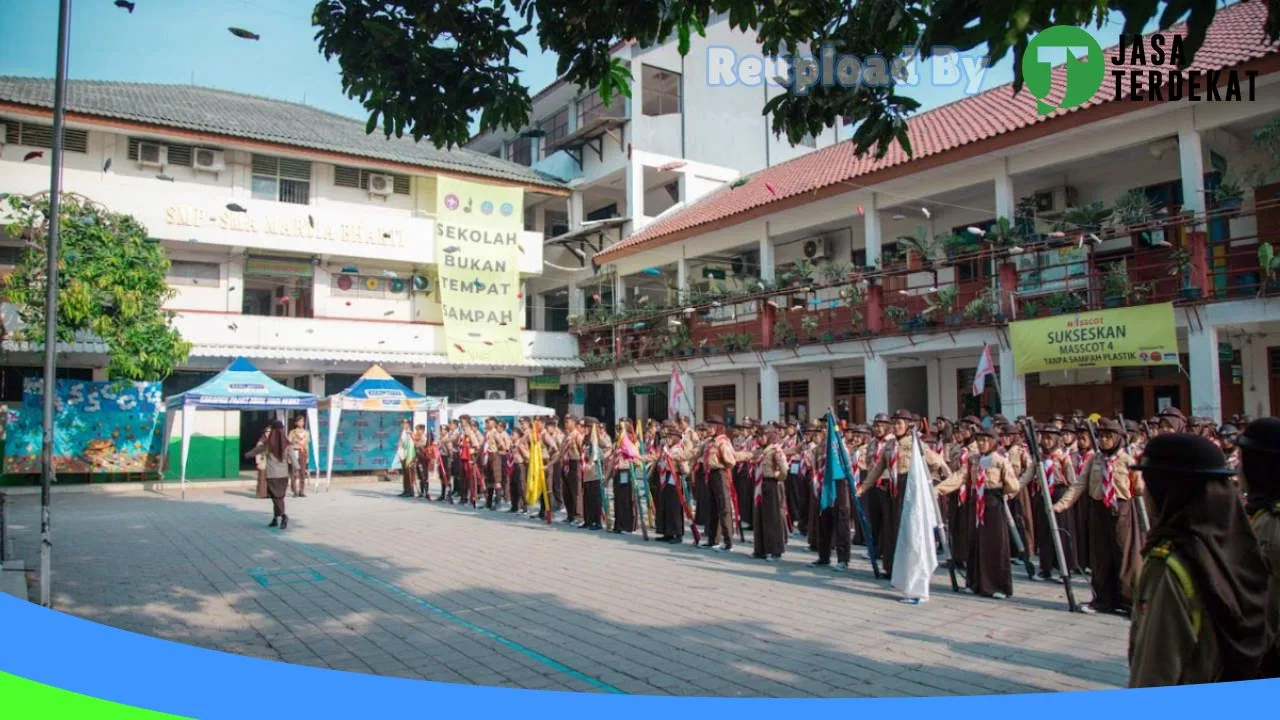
x,y
985,368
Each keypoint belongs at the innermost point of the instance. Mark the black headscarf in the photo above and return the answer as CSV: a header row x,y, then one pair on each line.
x,y
1204,520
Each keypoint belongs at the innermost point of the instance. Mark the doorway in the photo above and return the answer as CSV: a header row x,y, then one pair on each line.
x,y
720,400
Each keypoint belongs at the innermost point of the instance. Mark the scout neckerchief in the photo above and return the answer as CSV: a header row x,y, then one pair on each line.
x,y
980,493
1108,483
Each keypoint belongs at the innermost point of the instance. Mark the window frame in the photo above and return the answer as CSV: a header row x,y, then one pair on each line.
x,y
279,179
664,96
191,280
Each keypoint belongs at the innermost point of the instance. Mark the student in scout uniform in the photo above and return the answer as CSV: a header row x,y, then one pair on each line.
x,y
1260,464
1200,604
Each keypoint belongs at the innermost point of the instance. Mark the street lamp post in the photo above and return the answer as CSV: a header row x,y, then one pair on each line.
x,y
51,297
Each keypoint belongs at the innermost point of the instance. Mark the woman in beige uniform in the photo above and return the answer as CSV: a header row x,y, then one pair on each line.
x,y
1115,538
768,501
985,476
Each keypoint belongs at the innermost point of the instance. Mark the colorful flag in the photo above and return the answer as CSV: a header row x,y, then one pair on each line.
x,y
835,465
985,368
916,556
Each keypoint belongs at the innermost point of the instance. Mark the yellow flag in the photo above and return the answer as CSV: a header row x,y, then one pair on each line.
x,y
536,484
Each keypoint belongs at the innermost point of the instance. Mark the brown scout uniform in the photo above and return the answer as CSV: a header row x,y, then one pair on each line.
x,y
1115,539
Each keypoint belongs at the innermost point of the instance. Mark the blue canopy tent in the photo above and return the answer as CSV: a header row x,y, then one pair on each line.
x,y
240,387
377,391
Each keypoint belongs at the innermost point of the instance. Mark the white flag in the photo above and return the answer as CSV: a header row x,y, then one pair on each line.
x,y
985,368
916,557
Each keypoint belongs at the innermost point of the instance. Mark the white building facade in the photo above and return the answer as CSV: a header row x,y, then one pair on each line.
x,y
296,240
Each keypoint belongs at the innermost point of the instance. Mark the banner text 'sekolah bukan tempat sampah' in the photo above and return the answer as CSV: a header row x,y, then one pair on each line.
x,y
478,250
1123,337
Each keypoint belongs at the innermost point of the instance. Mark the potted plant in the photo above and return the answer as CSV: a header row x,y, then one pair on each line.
x,y
979,308
921,247
857,323
1228,195
1081,220
1061,303
1030,308
1268,264
809,324
897,315
1115,285
834,272
942,305
1180,271
1008,236
1134,210
783,333
1141,294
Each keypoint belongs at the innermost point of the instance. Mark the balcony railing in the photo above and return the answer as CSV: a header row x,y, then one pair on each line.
x,y
1185,259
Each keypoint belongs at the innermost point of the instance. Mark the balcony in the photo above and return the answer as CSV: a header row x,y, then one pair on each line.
x,y
974,284
224,335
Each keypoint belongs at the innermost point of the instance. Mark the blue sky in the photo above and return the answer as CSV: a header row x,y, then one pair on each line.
x,y
186,41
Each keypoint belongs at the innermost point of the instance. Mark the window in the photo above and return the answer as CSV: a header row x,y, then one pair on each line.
x,y
10,255
555,223
41,136
592,106
556,127
279,287
186,272
178,154
520,151
283,179
350,177
660,91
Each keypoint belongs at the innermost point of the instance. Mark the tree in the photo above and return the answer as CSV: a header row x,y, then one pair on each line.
x,y
427,68
111,282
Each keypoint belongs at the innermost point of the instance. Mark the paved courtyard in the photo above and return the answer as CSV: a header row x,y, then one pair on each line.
x,y
368,582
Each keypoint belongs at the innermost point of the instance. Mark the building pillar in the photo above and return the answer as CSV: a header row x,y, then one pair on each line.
x,y
767,264
619,399
1191,164
575,209
1013,387
933,386
522,389
540,219
821,391
235,285
682,278
1255,371
875,373
768,394
577,301
1004,191
539,310
871,231
619,292
577,399
635,196
1205,380
419,383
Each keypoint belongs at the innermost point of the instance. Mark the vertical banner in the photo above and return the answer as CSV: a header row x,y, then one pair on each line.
x,y
478,251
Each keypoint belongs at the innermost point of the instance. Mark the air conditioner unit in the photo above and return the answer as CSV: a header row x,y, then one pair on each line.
x,y
817,249
495,394
381,184
153,154
208,160
1054,201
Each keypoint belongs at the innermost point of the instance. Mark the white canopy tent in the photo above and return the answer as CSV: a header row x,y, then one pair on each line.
x,y
500,409
377,391
240,387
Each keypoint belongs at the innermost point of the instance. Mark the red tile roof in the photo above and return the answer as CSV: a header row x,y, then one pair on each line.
x,y
1235,37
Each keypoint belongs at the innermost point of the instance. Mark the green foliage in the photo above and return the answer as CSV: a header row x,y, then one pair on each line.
x,y
834,271
1085,218
1133,208
982,306
111,282
427,68
943,300
895,314
922,245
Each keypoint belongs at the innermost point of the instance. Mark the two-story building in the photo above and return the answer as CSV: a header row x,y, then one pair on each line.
x,y
878,284
692,125
296,240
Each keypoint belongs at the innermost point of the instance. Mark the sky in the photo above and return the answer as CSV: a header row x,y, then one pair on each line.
x,y
187,41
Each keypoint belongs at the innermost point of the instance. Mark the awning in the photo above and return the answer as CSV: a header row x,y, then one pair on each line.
x,y
362,356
